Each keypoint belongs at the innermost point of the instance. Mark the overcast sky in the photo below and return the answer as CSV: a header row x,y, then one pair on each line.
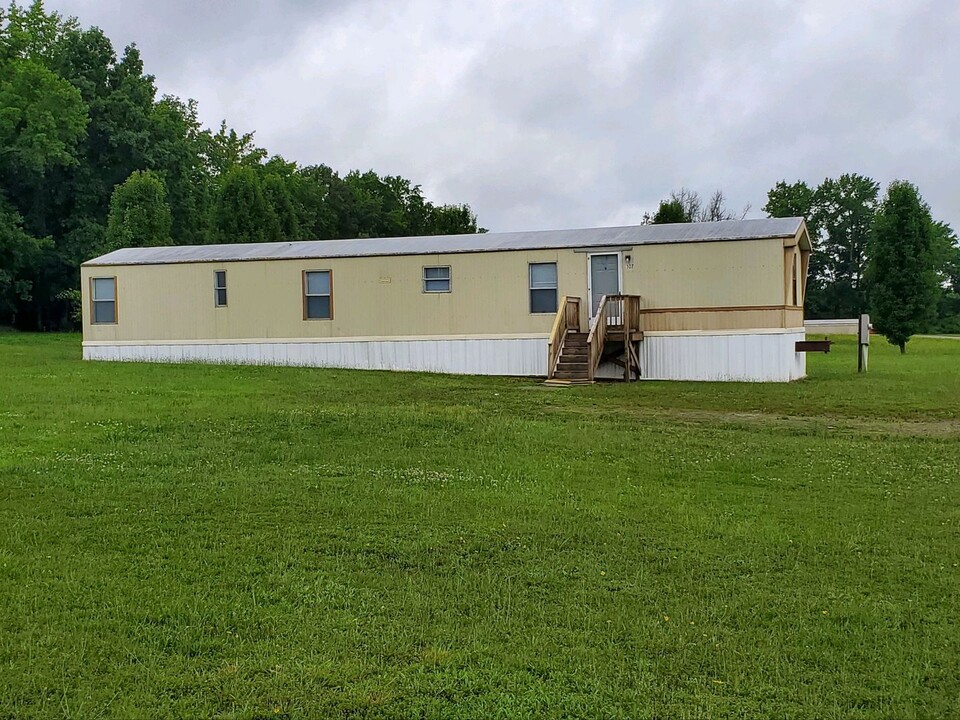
x,y
561,113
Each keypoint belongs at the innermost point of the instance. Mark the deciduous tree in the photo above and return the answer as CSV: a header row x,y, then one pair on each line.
x,y
139,213
227,149
670,211
20,256
276,192
242,213
175,153
452,220
843,211
685,205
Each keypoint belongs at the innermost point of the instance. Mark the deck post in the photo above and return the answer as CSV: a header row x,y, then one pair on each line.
x,y
626,340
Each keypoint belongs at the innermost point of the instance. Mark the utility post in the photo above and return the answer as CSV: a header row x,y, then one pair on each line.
x,y
863,343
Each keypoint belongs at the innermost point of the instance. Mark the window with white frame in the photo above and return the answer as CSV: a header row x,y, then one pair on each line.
x,y
543,287
103,297
436,279
317,295
220,288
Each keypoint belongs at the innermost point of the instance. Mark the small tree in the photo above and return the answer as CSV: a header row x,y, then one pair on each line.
x,y
139,213
686,206
902,274
285,224
670,211
242,214
451,220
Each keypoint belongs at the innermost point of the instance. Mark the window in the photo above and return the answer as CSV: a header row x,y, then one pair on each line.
x,y
794,285
436,279
220,288
317,295
103,295
543,287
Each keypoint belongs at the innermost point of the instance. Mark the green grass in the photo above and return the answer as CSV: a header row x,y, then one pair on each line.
x,y
195,541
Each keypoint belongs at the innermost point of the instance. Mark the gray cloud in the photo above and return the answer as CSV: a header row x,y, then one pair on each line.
x,y
182,37
572,113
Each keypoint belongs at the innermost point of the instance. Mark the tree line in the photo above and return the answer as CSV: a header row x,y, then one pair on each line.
x,y
91,159
884,255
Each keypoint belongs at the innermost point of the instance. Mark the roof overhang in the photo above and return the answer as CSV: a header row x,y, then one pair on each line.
x,y
801,239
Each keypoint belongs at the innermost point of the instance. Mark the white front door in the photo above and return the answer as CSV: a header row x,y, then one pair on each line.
x,y
603,278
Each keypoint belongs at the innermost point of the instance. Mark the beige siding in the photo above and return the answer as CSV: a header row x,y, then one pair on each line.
x,y
715,274
383,297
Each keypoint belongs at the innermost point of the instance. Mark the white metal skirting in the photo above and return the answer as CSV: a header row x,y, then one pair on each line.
x,y
484,356
727,356
743,356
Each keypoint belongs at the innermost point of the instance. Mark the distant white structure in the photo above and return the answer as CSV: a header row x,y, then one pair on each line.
x,y
841,326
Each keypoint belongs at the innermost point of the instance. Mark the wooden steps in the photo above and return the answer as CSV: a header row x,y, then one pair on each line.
x,y
573,356
573,364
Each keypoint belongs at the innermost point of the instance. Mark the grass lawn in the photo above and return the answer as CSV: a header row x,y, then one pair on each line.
x,y
195,541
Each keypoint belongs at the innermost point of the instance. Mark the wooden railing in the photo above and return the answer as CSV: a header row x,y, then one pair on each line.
x,y
568,318
615,312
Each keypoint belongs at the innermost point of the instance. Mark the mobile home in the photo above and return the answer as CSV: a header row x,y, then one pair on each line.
x,y
700,301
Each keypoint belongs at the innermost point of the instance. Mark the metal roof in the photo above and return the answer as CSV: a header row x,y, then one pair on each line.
x,y
445,244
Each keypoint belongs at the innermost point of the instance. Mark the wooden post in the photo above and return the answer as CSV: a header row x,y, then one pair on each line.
x,y
626,339
863,342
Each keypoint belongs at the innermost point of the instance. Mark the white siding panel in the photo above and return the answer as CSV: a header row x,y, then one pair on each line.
x,y
748,357
484,356
751,357
760,357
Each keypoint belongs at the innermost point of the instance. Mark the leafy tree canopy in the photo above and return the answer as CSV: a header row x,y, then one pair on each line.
x,y
139,213
42,118
19,252
670,211
242,213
